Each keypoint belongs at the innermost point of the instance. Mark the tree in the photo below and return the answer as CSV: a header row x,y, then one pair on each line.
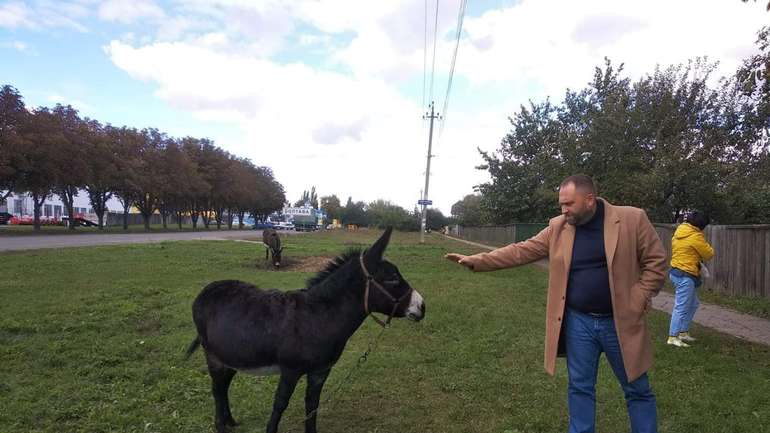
x,y
308,197
176,179
382,213
331,205
524,169
70,159
44,136
199,187
149,170
127,143
13,116
102,168
268,194
666,143
245,177
467,212
435,219
355,213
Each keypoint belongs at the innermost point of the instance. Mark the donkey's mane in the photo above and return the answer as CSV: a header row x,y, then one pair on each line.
x,y
333,265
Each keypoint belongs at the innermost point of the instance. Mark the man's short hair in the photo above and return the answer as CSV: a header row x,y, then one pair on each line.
x,y
581,182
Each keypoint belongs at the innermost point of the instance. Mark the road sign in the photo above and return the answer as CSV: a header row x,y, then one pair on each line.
x,y
425,202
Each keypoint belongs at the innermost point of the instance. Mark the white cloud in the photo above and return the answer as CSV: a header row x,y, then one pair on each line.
x,y
19,46
357,133
43,14
128,11
15,14
531,41
345,135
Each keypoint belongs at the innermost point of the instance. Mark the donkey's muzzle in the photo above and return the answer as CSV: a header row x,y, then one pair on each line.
x,y
416,309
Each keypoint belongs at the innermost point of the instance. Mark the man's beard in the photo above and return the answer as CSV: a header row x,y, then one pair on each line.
x,y
579,220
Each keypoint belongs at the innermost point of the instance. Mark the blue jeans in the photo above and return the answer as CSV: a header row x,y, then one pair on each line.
x,y
586,338
685,304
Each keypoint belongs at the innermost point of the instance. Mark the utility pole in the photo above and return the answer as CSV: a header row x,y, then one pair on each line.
x,y
424,200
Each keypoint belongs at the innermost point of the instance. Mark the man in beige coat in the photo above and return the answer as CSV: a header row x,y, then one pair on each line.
x,y
605,264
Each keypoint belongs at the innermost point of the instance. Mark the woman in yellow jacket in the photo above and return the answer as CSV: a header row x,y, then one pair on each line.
x,y
688,249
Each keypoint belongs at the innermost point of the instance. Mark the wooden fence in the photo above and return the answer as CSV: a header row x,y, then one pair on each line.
x,y
498,235
741,265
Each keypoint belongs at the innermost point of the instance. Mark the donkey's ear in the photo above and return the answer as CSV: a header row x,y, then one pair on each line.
x,y
378,249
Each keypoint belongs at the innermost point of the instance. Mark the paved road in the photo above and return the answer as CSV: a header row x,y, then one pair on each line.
x,y
16,243
740,325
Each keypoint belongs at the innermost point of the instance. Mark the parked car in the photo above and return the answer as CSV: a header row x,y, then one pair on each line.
x,y
5,217
78,222
284,226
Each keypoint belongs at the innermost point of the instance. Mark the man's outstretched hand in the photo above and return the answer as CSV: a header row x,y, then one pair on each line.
x,y
461,259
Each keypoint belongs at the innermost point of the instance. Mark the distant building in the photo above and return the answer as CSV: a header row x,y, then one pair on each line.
x,y
22,206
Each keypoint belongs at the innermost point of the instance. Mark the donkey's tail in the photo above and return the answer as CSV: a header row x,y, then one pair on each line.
x,y
193,347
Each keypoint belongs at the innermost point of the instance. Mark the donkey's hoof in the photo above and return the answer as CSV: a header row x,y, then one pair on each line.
x,y
232,423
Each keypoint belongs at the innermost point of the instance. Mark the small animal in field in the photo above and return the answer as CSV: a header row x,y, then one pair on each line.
x,y
272,243
297,333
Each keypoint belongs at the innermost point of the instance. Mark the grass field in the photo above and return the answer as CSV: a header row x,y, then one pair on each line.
x,y
92,340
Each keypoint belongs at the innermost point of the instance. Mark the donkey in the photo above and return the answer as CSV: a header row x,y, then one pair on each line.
x,y
296,333
272,245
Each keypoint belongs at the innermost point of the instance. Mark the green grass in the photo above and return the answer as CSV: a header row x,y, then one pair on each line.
x,y
27,230
92,340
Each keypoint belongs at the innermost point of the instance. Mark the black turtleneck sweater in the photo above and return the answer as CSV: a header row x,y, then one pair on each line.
x,y
588,289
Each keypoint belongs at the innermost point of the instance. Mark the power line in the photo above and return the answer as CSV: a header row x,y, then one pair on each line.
x,y
425,55
460,17
433,68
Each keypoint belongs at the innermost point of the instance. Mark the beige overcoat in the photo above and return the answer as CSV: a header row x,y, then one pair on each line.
x,y
636,262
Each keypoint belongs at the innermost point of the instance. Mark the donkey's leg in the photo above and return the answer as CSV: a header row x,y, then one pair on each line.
x,y
315,382
221,376
283,394
267,254
229,420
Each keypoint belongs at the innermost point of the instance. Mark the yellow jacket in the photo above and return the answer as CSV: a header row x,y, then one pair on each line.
x,y
688,248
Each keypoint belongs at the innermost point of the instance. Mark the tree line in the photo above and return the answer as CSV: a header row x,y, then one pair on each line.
x,y
669,142
45,151
379,213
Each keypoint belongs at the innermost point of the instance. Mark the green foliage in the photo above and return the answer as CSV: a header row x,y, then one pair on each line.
x,y
308,197
13,119
355,213
467,212
436,220
55,150
666,143
332,206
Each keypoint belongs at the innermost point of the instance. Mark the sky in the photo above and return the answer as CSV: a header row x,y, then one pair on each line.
x,y
332,93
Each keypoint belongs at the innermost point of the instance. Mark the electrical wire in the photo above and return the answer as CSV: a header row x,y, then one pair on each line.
x,y
435,38
460,17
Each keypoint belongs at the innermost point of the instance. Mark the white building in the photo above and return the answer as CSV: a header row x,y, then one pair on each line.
x,y
22,206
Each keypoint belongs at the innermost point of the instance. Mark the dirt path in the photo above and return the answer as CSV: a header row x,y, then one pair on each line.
x,y
34,242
